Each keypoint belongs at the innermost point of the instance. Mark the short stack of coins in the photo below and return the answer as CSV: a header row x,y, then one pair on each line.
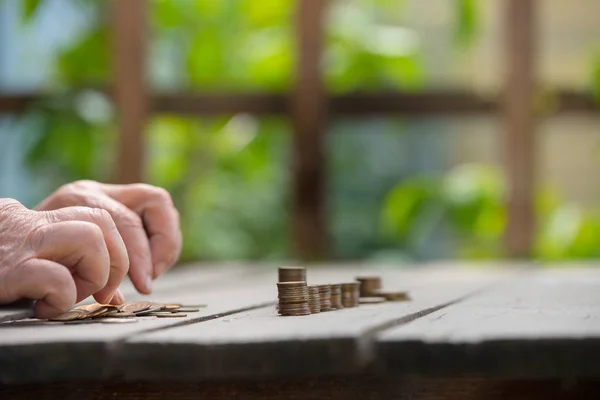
x,y
325,297
369,286
350,294
314,299
292,274
293,298
336,296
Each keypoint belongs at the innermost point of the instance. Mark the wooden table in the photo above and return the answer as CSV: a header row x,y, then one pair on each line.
x,y
470,332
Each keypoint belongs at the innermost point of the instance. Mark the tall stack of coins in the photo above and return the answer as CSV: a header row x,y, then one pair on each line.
x,y
292,274
293,298
325,295
369,285
350,294
314,299
336,296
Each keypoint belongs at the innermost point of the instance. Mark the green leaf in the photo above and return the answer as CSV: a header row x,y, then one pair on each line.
x,y
467,22
29,9
596,78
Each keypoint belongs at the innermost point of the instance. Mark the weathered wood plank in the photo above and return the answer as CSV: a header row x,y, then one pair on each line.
x,y
62,352
544,324
313,388
261,343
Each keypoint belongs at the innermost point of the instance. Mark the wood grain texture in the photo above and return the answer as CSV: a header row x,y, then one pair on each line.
x,y
330,388
259,343
545,324
519,143
85,351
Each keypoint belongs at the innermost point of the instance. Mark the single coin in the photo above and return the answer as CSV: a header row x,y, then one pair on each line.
x,y
119,314
167,315
192,305
97,313
185,309
394,296
135,307
148,311
69,316
371,300
171,306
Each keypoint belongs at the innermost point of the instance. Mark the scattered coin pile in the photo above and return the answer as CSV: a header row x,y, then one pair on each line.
x,y
128,310
297,298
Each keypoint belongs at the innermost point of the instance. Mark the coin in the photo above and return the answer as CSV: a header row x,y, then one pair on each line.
x,y
69,315
135,307
185,309
394,296
151,309
119,314
171,306
369,285
314,300
325,297
336,296
166,314
350,294
292,274
293,298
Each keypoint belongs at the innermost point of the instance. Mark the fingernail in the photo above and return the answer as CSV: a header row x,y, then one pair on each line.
x,y
149,283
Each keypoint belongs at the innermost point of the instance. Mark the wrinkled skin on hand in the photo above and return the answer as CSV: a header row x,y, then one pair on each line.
x,y
59,257
144,216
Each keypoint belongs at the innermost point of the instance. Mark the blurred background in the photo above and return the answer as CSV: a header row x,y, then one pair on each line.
x,y
394,150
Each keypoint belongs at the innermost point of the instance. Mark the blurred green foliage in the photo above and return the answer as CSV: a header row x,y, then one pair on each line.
x,y
228,175
469,201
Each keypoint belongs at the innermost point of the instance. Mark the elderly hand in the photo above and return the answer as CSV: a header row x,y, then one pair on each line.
x,y
144,216
59,257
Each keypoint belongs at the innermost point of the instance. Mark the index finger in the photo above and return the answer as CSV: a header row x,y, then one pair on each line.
x,y
160,217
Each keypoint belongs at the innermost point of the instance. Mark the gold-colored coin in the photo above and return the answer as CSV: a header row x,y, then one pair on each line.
x,y
69,315
185,310
119,314
135,307
171,306
166,314
371,300
394,296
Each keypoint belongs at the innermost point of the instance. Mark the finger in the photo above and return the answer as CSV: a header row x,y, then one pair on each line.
x,y
160,218
49,283
131,229
119,260
80,247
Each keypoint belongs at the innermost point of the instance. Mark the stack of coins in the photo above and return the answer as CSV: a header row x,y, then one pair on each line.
x,y
336,296
350,294
314,299
369,285
292,274
325,295
293,298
